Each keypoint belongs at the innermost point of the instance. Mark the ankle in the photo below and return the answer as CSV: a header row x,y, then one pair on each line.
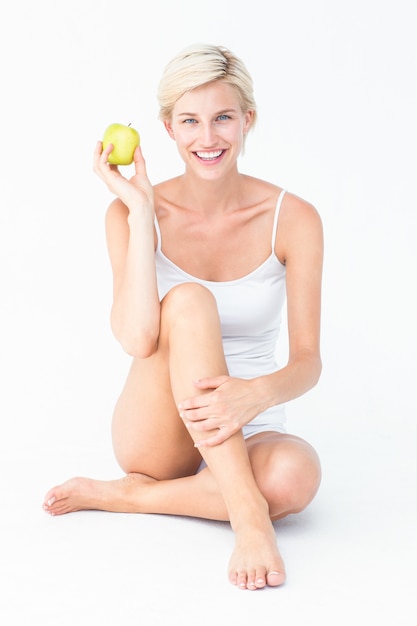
x,y
253,513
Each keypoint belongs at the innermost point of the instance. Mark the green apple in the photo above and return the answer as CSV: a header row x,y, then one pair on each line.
x,y
125,140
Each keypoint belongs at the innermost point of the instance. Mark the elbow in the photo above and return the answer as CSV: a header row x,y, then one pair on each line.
x,y
140,345
317,371
315,368
309,366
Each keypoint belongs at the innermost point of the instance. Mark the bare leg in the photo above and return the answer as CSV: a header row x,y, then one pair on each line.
x,y
285,467
200,347
191,343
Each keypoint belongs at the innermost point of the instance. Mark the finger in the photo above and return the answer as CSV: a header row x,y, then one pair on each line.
x,y
101,157
106,152
210,383
97,154
222,435
198,402
195,416
98,149
203,425
101,165
139,162
200,414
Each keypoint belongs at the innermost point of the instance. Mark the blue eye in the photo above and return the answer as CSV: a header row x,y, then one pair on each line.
x,y
223,117
189,120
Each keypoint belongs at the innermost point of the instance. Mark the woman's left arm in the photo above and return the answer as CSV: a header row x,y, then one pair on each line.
x,y
230,402
300,247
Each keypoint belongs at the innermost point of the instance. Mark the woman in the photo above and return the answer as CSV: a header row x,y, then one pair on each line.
x,y
201,265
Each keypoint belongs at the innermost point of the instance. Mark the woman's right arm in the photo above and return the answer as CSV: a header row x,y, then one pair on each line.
x,y
130,239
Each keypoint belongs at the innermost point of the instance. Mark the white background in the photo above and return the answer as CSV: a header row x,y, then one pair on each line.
x,y
336,89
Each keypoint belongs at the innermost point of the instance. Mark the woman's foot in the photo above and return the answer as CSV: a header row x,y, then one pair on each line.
x,y
78,494
256,561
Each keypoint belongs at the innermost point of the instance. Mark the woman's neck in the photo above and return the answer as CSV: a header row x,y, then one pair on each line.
x,y
208,196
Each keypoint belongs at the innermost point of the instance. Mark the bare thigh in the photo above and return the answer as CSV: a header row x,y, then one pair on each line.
x,y
149,437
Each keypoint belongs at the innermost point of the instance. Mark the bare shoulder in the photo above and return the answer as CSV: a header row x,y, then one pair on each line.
x,y
165,185
259,190
298,214
295,208
300,227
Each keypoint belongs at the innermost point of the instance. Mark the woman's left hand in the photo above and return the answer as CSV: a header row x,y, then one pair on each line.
x,y
229,404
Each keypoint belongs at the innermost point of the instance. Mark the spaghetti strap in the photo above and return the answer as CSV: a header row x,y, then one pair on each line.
x,y
158,234
274,227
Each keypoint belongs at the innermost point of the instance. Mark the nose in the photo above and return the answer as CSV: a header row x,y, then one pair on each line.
x,y
208,137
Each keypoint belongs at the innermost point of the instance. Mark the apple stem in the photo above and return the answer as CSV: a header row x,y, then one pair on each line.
x,y
129,123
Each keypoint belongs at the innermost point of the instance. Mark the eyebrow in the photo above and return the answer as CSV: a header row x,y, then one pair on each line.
x,y
223,112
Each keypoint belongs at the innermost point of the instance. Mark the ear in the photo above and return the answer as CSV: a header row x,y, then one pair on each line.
x,y
169,129
248,121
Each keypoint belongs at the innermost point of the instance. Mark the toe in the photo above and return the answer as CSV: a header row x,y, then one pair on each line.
x,y
260,577
233,577
251,580
56,502
275,578
242,580
49,498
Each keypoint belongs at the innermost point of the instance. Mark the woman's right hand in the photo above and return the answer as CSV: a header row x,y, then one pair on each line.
x,y
134,192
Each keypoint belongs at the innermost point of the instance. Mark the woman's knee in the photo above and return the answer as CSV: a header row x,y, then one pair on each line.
x,y
189,303
188,296
304,476
292,477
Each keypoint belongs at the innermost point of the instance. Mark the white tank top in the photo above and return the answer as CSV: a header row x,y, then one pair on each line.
x,y
249,308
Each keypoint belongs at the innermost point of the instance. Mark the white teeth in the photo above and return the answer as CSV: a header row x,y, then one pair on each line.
x,y
209,155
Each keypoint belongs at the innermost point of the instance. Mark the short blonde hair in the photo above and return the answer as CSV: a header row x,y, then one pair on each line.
x,y
198,65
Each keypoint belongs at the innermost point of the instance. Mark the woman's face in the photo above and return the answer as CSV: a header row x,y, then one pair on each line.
x,y
209,126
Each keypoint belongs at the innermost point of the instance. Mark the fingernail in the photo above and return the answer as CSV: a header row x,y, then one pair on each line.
x,y
51,501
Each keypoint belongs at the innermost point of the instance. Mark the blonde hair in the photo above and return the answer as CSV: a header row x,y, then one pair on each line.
x,y
198,65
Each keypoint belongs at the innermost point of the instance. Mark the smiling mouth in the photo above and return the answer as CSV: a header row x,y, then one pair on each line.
x,y
209,156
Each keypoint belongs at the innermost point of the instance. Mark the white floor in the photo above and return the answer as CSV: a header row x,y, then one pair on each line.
x,y
351,556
